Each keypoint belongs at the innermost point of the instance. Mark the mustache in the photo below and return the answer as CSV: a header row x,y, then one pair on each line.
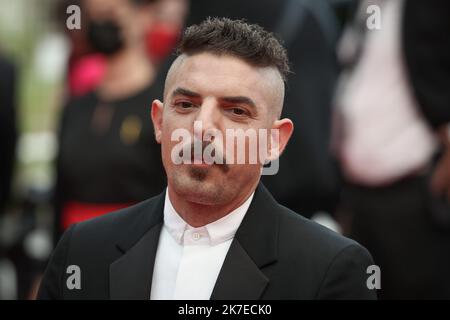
x,y
196,150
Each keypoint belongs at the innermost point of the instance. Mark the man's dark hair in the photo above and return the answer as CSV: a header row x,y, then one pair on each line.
x,y
249,42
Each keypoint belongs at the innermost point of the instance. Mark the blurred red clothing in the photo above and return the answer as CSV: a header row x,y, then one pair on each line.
x,y
75,212
86,73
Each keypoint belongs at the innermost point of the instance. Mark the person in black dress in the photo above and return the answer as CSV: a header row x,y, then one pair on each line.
x,y
107,157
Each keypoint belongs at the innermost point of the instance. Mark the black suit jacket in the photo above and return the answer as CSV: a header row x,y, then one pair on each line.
x,y
275,254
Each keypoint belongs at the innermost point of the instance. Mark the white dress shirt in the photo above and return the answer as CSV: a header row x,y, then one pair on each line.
x,y
386,137
188,260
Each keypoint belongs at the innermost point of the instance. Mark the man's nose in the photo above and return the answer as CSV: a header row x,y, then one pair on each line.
x,y
209,117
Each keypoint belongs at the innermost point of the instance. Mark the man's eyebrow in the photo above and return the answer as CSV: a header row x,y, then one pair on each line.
x,y
233,100
185,92
240,100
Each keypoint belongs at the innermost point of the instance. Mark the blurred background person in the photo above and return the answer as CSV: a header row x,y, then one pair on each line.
x,y
391,101
8,130
85,66
8,138
25,114
108,158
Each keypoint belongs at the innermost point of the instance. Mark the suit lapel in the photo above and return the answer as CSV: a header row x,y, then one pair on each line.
x,y
130,276
240,278
254,247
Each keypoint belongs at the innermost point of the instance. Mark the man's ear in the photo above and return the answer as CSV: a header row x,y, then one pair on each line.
x,y
280,134
157,117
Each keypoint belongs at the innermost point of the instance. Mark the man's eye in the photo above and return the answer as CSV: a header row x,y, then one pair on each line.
x,y
184,105
238,111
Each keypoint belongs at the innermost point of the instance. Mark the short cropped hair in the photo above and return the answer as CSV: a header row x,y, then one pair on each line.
x,y
249,42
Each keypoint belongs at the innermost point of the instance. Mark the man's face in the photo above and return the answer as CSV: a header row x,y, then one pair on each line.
x,y
209,95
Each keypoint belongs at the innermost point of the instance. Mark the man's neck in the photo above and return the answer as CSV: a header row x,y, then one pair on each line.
x,y
127,72
198,214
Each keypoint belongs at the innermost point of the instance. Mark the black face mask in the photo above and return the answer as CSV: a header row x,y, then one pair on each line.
x,y
105,36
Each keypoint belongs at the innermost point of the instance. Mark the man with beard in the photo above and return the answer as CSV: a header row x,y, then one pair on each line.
x,y
216,232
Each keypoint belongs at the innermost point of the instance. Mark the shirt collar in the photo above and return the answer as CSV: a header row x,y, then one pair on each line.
x,y
218,231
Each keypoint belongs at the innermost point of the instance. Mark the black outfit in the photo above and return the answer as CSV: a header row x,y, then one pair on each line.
x,y
405,228
396,224
108,153
8,133
426,25
307,180
275,254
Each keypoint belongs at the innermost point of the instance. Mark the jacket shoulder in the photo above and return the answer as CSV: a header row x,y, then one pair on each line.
x,y
114,224
336,266
314,245
302,231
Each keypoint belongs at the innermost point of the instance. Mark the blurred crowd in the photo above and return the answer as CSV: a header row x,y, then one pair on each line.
x,y
368,94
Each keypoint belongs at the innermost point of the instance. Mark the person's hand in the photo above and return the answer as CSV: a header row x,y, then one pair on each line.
x,y
440,182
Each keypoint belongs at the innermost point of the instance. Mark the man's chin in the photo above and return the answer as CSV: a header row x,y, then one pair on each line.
x,y
198,185
200,194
